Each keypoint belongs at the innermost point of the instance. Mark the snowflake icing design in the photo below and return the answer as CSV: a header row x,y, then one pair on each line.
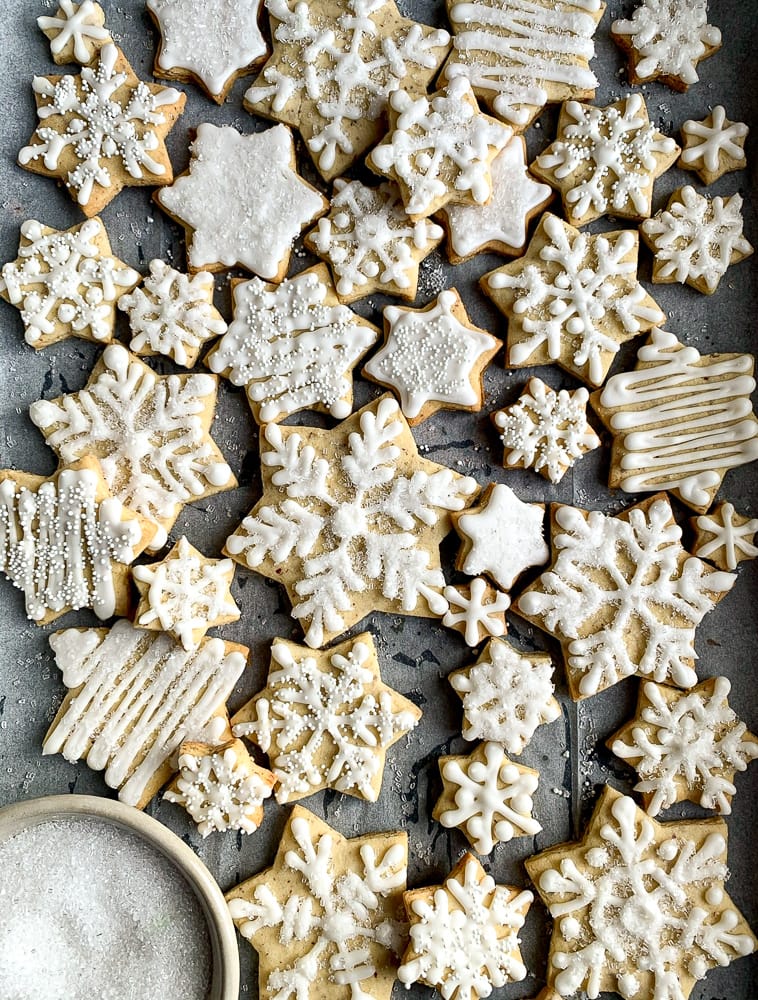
x,y
725,537
714,146
476,609
78,26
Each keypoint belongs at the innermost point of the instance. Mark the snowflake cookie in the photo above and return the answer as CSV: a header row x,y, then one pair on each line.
x,y
665,40
639,906
185,594
350,520
433,358
695,239
134,697
151,434
66,542
221,787
370,243
714,146
487,796
293,346
506,695
725,537
464,934
172,314
439,149
573,299
685,746
623,596
327,918
333,68
102,130
257,175
325,719
476,610
520,55
76,31
546,430
66,283
211,44
605,161
680,420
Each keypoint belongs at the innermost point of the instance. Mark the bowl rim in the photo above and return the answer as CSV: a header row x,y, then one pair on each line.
x,y
19,816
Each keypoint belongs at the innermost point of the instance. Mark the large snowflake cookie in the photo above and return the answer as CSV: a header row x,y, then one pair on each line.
x,y
605,161
520,55
573,299
685,746
639,906
506,695
680,420
714,146
66,283
325,719
211,43
151,434
487,796
695,239
546,430
433,358
327,917
333,68
370,243
476,610
351,520
666,39
66,543
293,346
464,933
439,149
623,596
76,31
102,130
134,697
725,537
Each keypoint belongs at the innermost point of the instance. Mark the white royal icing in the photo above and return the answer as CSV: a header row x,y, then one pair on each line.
x,y
77,23
731,542
479,616
139,695
705,397
705,143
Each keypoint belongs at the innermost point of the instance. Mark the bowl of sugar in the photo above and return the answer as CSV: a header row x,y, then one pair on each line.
x,y
99,900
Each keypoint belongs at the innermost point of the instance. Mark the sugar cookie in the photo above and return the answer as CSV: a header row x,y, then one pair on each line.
x,y
714,146
725,537
76,31
477,610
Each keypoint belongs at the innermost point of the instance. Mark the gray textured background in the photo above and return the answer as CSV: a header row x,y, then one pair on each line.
x,y
415,655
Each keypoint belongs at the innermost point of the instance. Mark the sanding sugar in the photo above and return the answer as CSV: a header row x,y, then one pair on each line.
x,y
89,910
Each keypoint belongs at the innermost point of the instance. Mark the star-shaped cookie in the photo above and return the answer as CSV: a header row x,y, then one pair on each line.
x,y
102,130
714,146
433,358
477,610
257,175
725,537
670,920
76,31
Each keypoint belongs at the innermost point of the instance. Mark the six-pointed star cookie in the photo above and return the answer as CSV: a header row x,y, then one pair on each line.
x,y
433,358
352,894
102,130
325,719
714,146
76,31
350,520
254,176
725,537
639,906
477,610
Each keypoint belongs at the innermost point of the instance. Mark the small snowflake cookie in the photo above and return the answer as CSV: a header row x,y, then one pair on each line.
x,y
102,130
433,358
725,537
212,44
605,161
686,746
327,917
66,283
639,906
506,695
464,933
292,346
221,787
573,299
487,796
623,596
476,610
714,146
665,40
76,32
695,239
546,430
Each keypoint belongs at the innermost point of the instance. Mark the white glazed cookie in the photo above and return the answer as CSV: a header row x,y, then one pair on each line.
x,y
714,146
327,905
66,283
293,346
325,719
76,31
433,358
477,610
254,176
725,537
